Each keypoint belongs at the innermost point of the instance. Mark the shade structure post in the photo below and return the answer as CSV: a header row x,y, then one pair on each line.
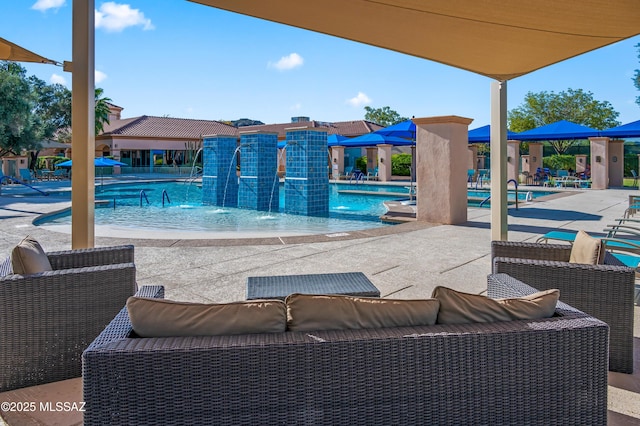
x,y
499,161
83,126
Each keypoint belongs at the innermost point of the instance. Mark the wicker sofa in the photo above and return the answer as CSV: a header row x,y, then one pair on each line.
x,y
604,291
542,372
48,319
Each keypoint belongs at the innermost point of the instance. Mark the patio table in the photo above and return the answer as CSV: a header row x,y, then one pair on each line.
x,y
280,286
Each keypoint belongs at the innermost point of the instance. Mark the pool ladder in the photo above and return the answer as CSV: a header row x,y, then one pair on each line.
x,y
143,194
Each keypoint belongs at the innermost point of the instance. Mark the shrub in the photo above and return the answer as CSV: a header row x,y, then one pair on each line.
x,y
401,164
560,162
361,163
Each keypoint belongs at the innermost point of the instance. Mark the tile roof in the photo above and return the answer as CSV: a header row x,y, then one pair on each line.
x,y
166,127
344,128
169,127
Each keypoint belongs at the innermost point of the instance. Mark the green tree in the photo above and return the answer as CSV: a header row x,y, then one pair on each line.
x,y
636,76
20,128
384,116
102,110
578,106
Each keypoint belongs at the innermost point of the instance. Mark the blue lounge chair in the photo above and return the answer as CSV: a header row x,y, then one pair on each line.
x,y
611,242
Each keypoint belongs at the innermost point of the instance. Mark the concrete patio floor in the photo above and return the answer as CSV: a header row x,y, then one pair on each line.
x,y
403,261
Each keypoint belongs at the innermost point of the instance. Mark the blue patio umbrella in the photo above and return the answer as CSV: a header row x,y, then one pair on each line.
x,y
483,134
373,139
629,130
560,130
335,139
404,129
97,162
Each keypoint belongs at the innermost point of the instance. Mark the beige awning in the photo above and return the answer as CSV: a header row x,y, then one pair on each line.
x,y
495,38
12,52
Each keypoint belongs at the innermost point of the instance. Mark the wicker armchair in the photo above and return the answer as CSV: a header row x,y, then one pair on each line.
x,y
534,372
604,291
48,319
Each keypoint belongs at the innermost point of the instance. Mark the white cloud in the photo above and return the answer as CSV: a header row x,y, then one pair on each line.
x,y
296,107
287,62
99,76
43,5
57,79
359,100
115,17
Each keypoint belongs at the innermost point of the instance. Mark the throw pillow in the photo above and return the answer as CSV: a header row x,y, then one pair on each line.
x,y
28,257
587,250
460,308
332,312
166,318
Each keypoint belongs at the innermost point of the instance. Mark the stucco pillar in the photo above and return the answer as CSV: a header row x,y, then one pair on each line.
x,y
83,127
581,163
384,162
372,161
482,162
535,156
513,160
337,161
616,163
473,157
599,163
441,169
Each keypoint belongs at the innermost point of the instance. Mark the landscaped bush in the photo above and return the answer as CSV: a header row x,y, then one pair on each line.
x,y
560,162
49,161
630,163
361,163
401,164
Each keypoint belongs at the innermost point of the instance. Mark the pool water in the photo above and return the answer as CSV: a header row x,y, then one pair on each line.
x,y
347,212
123,207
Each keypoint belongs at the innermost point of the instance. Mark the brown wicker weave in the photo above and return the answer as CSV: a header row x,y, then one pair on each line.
x,y
543,372
604,291
48,319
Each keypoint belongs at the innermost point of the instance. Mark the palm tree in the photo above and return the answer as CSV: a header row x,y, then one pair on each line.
x,y
102,110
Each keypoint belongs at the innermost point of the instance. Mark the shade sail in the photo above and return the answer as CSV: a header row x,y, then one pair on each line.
x,y
373,139
560,130
98,162
404,129
629,130
483,134
495,38
12,52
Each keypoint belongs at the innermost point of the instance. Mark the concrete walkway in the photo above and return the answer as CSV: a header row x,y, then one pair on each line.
x,y
403,261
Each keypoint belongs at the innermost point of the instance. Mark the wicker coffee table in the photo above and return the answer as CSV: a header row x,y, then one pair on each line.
x,y
280,286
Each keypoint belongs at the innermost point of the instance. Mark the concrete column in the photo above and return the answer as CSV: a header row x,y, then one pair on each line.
x,y
372,161
413,163
441,169
616,163
482,162
599,163
513,160
535,156
83,127
581,163
384,162
473,158
337,159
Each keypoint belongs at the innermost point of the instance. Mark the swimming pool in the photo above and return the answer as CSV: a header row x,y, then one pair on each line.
x,y
185,212
123,209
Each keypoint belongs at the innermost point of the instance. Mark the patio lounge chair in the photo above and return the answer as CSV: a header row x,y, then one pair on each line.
x,y
47,319
373,175
604,291
26,176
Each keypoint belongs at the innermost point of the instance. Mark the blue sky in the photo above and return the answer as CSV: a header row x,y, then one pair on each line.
x,y
177,58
